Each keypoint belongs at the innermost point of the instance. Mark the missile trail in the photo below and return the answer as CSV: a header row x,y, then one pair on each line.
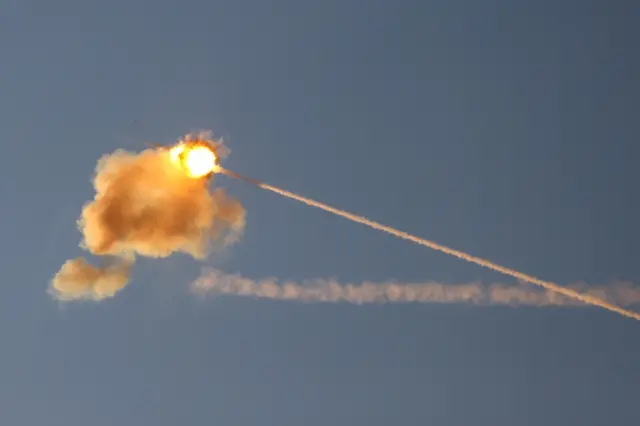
x,y
585,298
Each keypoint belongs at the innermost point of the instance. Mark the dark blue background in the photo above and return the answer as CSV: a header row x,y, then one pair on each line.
x,y
507,129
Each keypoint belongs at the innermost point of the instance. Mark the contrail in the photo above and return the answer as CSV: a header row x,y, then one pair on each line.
x,y
585,298
214,281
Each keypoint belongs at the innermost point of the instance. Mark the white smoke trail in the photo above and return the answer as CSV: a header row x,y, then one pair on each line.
x,y
215,282
585,298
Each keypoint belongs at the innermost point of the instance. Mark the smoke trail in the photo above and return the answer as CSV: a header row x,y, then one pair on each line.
x,y
146,206
585,298
328,290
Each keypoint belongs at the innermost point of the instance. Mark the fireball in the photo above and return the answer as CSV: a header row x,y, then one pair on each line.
x,y
196,160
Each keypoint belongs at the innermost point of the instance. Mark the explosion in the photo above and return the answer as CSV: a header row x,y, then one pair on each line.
x,y
154,203
196,159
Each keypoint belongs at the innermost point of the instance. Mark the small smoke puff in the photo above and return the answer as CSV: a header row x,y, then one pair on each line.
x,y
77,279
145,205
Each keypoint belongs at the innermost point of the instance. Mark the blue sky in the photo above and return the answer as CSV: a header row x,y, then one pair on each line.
x,y
505,129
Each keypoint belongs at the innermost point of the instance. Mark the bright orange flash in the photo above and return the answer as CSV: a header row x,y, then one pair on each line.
x,y
196,160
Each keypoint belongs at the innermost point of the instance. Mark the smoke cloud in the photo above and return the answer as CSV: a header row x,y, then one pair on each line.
x,y
145,206
331,291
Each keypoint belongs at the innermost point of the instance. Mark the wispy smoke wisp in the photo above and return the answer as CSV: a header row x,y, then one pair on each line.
x,y
216,282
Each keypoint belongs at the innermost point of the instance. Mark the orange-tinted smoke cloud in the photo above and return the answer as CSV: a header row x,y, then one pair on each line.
x,y
144,205
331,291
